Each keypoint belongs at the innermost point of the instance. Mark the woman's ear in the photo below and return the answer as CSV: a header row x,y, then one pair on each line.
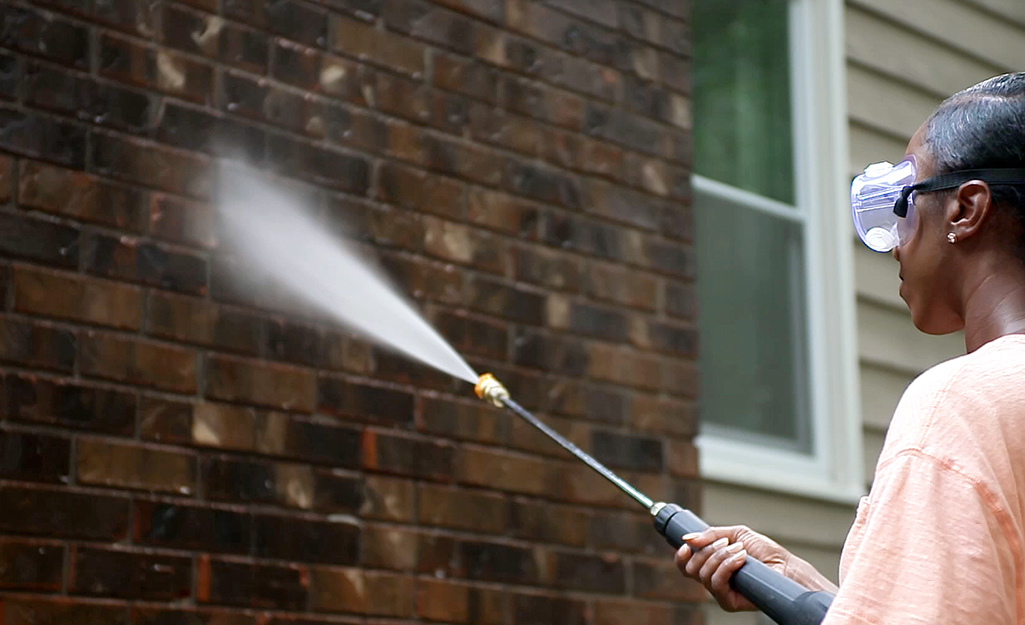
x,y
972,208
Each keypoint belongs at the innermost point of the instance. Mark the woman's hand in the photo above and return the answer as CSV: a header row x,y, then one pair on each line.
x,y
714,555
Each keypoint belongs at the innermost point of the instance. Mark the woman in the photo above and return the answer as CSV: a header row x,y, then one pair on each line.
x,y
940,537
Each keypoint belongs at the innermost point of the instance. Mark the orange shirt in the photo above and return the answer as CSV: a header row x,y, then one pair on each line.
x,y
939,538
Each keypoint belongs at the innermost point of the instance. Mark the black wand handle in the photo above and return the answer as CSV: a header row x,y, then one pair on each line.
x,y
783,599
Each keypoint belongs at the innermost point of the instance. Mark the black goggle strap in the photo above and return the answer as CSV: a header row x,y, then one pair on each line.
x,y
956,179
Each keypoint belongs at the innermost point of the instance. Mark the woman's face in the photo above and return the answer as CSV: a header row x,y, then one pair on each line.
x,y
928,271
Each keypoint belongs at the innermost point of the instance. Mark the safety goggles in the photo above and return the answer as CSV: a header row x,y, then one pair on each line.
x,y
882,200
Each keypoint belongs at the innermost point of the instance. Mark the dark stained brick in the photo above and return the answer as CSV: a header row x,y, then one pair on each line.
x,y
88,100
365,403
128,575
42,34
40,240
69,405
146,263
36,136
36,345
627,452
192,528
59,513
303,540
34,457
26,565
254,585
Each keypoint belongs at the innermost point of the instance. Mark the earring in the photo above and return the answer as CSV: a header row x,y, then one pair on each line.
x,y
952,237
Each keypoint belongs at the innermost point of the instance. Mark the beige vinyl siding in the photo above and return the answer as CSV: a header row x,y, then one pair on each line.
x,y
903,58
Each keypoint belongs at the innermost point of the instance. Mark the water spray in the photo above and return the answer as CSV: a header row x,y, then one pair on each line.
x,y
781,598
267,229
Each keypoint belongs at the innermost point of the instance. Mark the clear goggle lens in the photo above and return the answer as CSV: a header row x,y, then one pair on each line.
x,y
874,194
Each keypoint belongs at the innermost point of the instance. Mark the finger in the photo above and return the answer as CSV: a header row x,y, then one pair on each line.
x,y
713,562
682,557
697,560
720,579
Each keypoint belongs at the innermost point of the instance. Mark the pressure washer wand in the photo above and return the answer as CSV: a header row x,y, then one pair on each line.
x,y
782,599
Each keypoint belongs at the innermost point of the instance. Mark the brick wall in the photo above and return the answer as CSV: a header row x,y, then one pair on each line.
x,y
173,452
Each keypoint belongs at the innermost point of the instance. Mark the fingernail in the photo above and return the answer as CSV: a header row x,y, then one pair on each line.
x,y
736,547
722,542
742,554
691,536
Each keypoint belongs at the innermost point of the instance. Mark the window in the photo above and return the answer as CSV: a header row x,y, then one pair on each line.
x,y
778,400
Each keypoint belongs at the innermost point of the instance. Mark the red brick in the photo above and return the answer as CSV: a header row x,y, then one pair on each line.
x,y
404,455
129,575
668,415
34,457
374,404
532,609
199,321
654,580
79,195
276,386
363,41
387,547
502,470
543,522
440,600
44,34
36,345
189,527
463,510
68,404
466,76
432,23
388,499
463,420
414,188
458,243
39,240
683,459
680,378
150,615
127,61
153,166
65,514
285,484
31,565
305,540
41,137
502,212
615,612
362,592
181,221
51,611
127,360
128,465
252,585
215,425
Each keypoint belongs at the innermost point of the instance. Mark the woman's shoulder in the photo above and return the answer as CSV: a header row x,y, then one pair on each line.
x,y
966,397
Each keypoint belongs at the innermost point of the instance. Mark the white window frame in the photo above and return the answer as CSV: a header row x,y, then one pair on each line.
x,y
833,470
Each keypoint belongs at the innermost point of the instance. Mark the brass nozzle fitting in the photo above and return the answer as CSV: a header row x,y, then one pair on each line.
x,y
491,390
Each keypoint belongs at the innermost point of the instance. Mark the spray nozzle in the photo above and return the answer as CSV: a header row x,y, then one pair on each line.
x,y
491,390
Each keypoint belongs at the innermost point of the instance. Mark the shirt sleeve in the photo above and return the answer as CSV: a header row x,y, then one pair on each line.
x,y
934,551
